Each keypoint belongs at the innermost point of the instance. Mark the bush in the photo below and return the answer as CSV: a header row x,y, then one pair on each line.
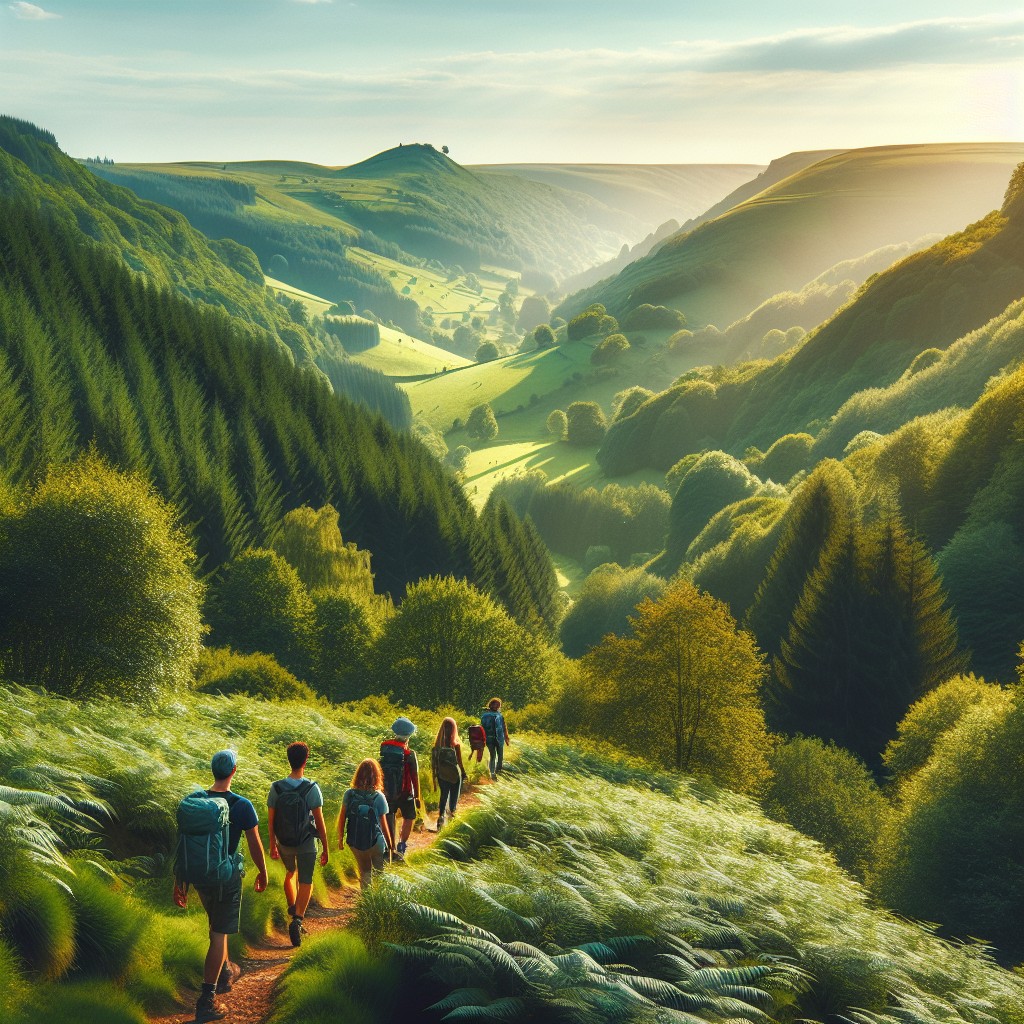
x,y
544,336
346,629
829,795
35,918
448,643
557,424
259,604
932,717
648,317
481,425
625,403
613,348
486,352
97,591
108,926
586,323
222,670
335,978
585,423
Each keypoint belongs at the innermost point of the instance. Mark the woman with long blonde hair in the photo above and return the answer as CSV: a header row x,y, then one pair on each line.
x,y
364,810
449,771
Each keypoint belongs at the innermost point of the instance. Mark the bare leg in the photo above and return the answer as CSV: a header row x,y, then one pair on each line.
x,y
215,958
289,887
305,891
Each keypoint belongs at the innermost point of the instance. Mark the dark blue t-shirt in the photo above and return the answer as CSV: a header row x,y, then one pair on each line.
x,y
242,816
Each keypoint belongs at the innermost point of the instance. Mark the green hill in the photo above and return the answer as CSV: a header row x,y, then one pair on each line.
x,y
926,301
839,208
651,193
213,411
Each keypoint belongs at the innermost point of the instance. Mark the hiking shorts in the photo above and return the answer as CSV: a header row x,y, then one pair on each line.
x,y
295,858
223,905
406,807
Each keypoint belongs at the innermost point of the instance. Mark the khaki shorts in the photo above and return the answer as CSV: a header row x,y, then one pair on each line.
x,y
297,859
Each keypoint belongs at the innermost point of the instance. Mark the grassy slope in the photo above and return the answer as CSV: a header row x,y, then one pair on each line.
x,y
632,853
839,208
652,193
518,220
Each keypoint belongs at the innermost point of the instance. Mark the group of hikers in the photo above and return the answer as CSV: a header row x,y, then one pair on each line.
x,y
211,824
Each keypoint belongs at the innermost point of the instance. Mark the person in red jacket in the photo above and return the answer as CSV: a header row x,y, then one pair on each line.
x,y
401,780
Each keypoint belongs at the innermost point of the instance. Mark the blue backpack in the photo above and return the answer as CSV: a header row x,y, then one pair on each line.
x,y
203,856
363,829
495,732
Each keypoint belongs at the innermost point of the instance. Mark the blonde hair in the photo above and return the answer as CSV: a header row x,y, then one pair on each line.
x,y
368,777
448,734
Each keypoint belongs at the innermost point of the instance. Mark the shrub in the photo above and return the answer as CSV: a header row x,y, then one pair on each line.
x,y
613,348
625,403
587,323
258,604
97,591
585,423
486,352
222,670
829,795
932,717
448,643
346,629
35,917
481,424
335,978
557,424
648,317
544,336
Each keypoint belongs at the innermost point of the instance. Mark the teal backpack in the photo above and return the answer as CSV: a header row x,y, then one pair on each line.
x,y
202,857
363,829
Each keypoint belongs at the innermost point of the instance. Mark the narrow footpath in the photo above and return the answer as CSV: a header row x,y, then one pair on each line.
x,y
251,1000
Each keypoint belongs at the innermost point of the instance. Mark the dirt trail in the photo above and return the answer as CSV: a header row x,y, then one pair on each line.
x,y
251,999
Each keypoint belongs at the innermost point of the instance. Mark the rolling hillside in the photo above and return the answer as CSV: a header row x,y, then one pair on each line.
x,y
837,209
925,302
651,193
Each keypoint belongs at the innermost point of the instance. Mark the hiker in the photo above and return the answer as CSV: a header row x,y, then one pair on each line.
x,y
295,809
449,771
496,730
210,827
364,809
401,780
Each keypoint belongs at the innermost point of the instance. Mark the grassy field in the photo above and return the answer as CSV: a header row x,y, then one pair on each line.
x,y
316,305
399,355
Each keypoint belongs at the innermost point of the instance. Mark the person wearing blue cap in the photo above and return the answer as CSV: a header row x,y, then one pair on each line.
x,y
204,826
401,780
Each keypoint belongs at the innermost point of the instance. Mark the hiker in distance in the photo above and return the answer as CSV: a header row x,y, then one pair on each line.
x,y
295,809
401,780
449,771
210,827
364,810
493,722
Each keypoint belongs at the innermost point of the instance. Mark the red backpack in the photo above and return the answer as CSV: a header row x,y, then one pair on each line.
x,y
477,740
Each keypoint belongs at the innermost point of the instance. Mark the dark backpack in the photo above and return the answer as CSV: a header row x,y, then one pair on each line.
x,y
362,826
447,764
394,763
489,720
293,820
203,856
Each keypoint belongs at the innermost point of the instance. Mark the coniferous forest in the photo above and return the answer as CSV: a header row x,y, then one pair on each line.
x,y
706,475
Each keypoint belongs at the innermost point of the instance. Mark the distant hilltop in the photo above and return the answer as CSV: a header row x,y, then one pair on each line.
x,y
415,158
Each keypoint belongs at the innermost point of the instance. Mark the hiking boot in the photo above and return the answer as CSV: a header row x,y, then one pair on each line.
x,y
296,931
402,847
440,822
229,974
207,1009
396,856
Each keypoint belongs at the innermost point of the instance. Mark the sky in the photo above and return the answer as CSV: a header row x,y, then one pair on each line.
x,y
559,81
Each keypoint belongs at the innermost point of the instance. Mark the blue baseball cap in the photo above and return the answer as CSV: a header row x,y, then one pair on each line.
x,y
223,763
402,727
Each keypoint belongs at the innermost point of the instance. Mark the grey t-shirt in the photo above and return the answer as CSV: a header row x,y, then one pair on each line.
x,y
314,799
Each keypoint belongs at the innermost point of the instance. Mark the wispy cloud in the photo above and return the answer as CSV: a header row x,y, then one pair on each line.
x,y
31,12
311,1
